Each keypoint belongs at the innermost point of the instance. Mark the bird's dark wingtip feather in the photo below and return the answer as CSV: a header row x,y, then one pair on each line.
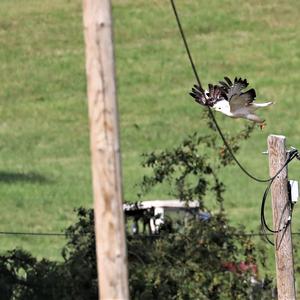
x,y
252,93
228,80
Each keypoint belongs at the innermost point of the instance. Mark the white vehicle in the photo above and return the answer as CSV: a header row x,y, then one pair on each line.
x,y
152,214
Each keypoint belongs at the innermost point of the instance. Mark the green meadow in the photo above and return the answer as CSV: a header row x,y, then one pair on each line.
x,y
44,132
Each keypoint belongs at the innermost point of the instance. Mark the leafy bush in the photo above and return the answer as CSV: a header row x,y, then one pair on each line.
x,y
188,259
188,263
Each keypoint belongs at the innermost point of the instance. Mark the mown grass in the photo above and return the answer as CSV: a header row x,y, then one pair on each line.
x,y
44,143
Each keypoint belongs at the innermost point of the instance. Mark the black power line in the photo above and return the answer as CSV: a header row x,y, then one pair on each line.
x,y
56,234
13,233
209,109
289,205
291,155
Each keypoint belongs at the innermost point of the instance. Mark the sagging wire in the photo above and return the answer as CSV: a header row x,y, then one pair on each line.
x,y
13,233
292,154
289,205
209,109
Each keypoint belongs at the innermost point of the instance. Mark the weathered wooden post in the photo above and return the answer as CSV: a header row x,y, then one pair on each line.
x,y
104,143
280,206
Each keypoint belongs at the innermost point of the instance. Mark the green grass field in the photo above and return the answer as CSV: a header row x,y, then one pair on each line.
x,y
44,138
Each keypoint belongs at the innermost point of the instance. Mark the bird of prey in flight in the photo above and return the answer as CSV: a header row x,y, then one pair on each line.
x,y
229,99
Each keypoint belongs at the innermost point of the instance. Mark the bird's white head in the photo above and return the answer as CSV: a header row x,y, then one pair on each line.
x,y
223,107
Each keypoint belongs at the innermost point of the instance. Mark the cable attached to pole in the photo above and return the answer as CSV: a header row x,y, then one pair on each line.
x,y
291,155
264,226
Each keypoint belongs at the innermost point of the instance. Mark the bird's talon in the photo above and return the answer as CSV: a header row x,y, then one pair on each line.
x,y
262,125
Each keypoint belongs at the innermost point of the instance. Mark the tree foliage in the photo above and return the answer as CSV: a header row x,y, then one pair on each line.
x,y
189,258
184,263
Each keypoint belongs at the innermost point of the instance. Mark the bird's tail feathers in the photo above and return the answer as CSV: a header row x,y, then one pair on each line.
x,y
258,105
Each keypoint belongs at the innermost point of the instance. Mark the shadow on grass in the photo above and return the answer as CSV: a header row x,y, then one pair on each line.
x,y
12,177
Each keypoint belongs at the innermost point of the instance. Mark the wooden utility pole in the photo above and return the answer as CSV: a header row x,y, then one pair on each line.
x,y
281,214
104,143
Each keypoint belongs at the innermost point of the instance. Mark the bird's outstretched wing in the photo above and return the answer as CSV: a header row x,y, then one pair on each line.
x,y
214,94
199,95
234,95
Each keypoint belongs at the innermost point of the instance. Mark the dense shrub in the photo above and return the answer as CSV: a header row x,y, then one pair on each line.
x,y
186,263
188,259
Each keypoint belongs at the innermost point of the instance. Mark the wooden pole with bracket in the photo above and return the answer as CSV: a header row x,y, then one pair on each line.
x,y
281,214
